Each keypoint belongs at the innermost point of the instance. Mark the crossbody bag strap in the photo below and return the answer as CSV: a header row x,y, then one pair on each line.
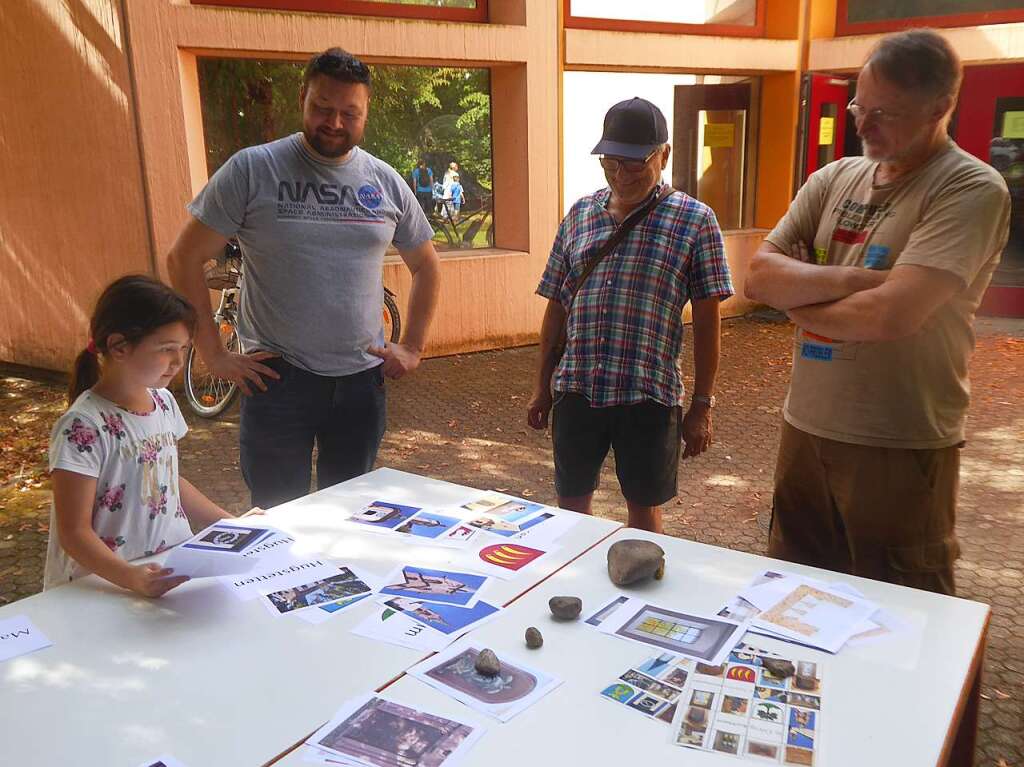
x,y
618,236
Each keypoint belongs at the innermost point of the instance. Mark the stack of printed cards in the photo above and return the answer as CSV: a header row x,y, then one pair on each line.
x,y
414,522
703,638
756,705
370,731
809,612
516,687
224,548
428,609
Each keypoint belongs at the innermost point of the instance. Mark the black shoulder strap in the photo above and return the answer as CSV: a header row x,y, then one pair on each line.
x,y
618,235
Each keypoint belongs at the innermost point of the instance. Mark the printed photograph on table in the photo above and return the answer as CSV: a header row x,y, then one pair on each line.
x,y
516,686
384,515
434,585
729,714
707,639
231,539
509,556
598,618
653,687
386,734
427,525
501,505
448,619
342,586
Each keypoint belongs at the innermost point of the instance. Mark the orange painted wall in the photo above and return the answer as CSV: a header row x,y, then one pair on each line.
x,y
72,208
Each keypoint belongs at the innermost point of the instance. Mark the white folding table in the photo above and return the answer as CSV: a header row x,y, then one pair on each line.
x,y
899,701
209,679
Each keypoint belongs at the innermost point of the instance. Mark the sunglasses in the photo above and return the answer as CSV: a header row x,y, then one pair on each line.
x,y
612,164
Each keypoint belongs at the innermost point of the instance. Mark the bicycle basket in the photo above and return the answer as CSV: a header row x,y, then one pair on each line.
x,y
225,271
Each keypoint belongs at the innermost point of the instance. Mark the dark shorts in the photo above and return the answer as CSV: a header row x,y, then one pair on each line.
x,y
344,416
645,437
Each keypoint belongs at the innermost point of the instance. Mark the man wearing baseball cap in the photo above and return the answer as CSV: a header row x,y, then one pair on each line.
x,y
625,261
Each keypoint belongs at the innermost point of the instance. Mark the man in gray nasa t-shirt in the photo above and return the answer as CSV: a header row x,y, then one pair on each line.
x,y
313,214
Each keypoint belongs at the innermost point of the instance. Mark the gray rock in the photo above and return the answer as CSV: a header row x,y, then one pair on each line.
x,y
534,639
778,668
565,608
634,560
487,663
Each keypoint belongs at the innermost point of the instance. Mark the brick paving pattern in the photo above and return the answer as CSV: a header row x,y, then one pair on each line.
x,y
462,419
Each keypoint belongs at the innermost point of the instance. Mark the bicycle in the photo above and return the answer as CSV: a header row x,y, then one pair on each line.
x,y
208,395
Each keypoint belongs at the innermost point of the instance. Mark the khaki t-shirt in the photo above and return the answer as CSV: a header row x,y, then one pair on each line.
x,y
950,214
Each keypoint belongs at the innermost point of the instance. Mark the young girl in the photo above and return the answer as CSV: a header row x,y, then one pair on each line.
x,y
117,495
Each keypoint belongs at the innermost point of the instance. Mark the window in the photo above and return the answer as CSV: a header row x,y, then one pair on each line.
x,y
439,114
447,10
857,17
712,129
733,17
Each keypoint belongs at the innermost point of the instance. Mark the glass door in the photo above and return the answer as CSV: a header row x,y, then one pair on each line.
x,y
713,148
990,125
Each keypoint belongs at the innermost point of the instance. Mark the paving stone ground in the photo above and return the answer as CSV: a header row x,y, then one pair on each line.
x,y
461,419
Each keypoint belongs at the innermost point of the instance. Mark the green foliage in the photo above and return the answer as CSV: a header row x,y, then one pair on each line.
x,y
439,113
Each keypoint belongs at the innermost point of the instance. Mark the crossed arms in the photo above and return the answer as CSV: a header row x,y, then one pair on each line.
x,y
848,302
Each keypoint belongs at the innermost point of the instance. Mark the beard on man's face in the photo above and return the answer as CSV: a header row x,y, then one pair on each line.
x,y
331,144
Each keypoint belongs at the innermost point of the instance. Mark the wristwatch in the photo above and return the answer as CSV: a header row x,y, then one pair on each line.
x,y
705,399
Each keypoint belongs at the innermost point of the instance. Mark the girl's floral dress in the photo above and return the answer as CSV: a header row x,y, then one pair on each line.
x,y
134,458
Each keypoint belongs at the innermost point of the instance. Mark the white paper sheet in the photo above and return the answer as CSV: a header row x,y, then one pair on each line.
x,y
703,637
393,627
816,616
516,687
19,636
379,728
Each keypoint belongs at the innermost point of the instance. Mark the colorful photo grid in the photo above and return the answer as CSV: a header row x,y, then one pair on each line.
x,y
653,687
756,705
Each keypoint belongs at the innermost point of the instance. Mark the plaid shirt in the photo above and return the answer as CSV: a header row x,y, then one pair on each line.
x,y
625,330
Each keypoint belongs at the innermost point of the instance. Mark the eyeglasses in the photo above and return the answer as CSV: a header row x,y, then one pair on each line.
x,y
612,164
881,115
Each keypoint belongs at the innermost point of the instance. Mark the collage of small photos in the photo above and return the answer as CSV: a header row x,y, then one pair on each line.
x,y
756,704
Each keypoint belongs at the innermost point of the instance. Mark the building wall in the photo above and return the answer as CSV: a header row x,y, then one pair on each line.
x,y
72,206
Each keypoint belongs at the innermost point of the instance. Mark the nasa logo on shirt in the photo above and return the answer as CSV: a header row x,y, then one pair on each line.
x,y
370,196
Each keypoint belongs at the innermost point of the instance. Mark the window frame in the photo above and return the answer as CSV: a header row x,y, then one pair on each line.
x,y
757,29
977,18
387,10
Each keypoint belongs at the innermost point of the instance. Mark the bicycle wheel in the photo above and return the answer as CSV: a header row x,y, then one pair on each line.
x,y
207,394
392,319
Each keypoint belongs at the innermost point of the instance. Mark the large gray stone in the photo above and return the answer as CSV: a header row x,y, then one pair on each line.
x,y
487,663
565,608
635,560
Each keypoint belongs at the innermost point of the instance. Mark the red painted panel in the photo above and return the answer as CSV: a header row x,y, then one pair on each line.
x,y
975,128
825,89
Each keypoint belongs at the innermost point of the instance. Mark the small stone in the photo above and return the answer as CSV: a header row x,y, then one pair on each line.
x,y
635,560
778,668
565,608
534,639
487,663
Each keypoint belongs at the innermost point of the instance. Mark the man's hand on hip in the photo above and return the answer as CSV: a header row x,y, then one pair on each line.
x,y
696,430
399,359
244,369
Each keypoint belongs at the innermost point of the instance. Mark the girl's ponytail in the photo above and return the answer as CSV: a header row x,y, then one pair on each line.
x,y
84,374
132,306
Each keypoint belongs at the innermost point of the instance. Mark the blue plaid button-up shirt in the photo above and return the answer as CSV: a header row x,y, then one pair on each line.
x,y
625,330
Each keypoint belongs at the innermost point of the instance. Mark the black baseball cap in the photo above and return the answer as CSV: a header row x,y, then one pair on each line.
x,y
633,128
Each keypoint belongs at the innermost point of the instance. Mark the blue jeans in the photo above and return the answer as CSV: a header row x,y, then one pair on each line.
x,y
345,416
